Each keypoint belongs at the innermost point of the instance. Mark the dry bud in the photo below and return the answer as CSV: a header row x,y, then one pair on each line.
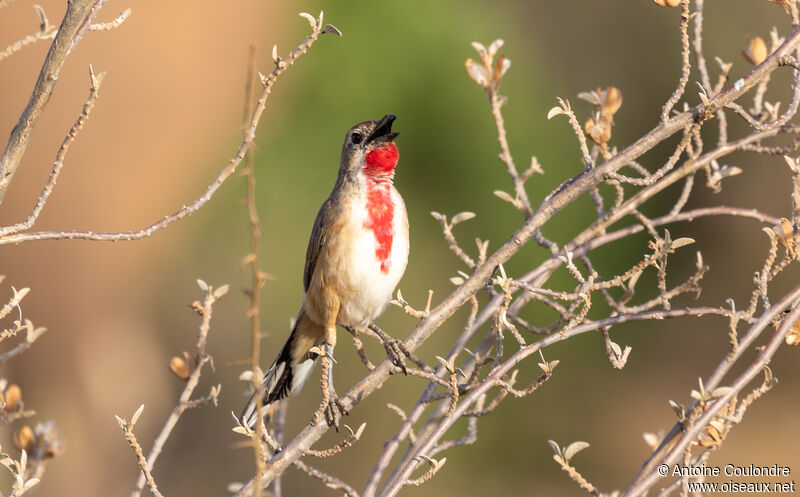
x,y
784,231
501,67
667,3
179,368
608,100
598,131
197,307
46,440
13,396
477,72
23,438
612,101
712,437
756,51
793,337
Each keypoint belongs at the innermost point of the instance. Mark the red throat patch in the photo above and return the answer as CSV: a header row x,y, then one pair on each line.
x,y
381,161
379,167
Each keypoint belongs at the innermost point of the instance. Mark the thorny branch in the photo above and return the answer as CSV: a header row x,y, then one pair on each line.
x,y
459,386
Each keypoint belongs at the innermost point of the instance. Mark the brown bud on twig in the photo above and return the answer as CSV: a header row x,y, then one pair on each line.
x,y
793,337
477,72
488,72
23,438
785,233
500,68
13,396
178,366
756,51
47,441
713,434
612,101
599,131
608,100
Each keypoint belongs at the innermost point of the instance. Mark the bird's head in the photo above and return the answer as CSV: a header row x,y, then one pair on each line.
x,y
369,148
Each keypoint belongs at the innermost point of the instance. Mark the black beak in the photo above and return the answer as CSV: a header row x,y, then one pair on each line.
x,y
383,130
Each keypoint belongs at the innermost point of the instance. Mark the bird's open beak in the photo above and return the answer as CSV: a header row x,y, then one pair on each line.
x,y
383,131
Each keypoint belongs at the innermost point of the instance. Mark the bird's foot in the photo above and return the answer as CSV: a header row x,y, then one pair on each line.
x,y
395,349
397,353
333,410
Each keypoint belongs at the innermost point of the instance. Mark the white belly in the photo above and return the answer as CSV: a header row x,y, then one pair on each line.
x,y
367,286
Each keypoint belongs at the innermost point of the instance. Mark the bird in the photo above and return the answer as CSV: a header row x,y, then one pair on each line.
x,y
356,256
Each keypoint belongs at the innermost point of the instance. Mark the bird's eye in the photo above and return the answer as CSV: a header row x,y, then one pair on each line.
x,y
356,138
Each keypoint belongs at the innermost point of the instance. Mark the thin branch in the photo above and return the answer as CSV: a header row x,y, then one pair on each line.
x,y
697,44
495,377
352,438
31,335
554,203
62,152
577,477
267,82
77,13
328,480
46,32
107,26
13,303
505,154
669,454
86,23
435,466
204,309
127,428
686,67
257,277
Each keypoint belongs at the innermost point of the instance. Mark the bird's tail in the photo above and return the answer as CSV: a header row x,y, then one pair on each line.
x,y
290,370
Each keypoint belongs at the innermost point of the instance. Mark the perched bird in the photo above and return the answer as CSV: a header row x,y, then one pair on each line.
x,y
356,256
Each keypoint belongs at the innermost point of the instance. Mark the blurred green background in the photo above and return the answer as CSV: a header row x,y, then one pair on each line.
x,y
169,119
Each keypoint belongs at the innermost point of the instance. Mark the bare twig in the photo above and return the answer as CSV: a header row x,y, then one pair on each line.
x,y
46,31
505,154
127,428
204,309
95,82
78,13
258,278
15,154
688,122
352,438
669,454
686,67
328,480
107,26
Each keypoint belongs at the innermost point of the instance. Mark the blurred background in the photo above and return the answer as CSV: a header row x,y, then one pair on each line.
x,y
168,119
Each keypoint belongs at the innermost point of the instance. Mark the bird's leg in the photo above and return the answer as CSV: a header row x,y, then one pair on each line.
x,y
395,349
330,407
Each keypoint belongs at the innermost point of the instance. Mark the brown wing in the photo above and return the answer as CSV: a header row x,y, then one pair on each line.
x,y
315,243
